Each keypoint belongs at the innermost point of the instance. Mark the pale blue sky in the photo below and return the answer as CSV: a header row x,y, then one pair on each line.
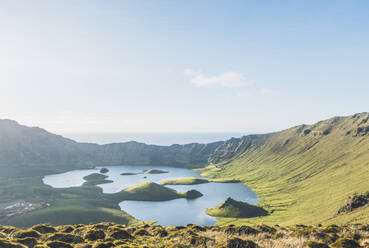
x,y
182,66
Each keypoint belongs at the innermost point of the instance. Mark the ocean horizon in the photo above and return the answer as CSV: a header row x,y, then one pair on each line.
x,y
154,138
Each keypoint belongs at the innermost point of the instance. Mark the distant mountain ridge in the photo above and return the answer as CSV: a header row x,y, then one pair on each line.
x,y
33,148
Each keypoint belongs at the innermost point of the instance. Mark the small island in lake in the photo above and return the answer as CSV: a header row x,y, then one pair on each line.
x,y
149,191
104,170
155,171
95,179
236,209
129,173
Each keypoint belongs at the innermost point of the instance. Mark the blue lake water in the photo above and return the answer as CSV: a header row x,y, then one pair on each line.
x,y
174,212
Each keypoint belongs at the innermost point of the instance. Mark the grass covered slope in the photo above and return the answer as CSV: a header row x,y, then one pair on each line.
x,y
305,173
236,209
196,180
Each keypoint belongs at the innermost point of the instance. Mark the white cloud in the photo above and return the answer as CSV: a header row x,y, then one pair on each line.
x,y
225,79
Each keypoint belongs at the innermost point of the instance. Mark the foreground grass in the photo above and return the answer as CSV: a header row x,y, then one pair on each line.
x,y
304,174
115,235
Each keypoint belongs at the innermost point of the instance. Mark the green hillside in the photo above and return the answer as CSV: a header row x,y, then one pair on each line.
x,y
303,174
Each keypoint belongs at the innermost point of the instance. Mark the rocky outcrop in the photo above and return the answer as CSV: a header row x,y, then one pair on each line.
x,y
354,202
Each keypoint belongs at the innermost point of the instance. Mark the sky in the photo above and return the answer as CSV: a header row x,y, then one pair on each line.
x,y
182,66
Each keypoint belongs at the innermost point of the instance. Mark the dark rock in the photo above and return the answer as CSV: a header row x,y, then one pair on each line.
x,y
240,243
104,170
332,229
364,228
313,244
104,245
307,131
327,131
198,228
324,236
141,232
94,235
29,242
193,194
356,236
199,241
103,226
68,229
353,202
131,230
42,228
121,234
180,227
345,243
57,244
8,244
161,233
7,229
266,229
66,238
27,234
230,231
246,230
362,131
